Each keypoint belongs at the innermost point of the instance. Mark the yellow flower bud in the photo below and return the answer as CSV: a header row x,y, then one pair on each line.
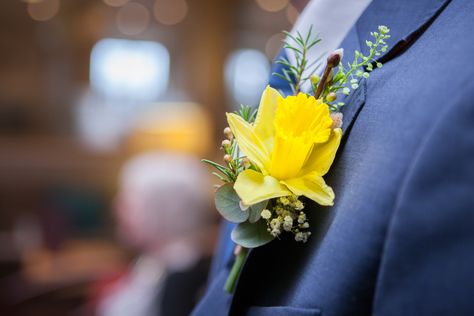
x,y
315,79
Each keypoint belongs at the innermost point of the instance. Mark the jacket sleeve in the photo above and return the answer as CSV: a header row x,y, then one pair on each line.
x,y
427,265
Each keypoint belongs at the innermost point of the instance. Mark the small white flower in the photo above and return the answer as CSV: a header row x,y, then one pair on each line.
x,y
299,205
275,232
301,218
299,236
302,237
284,201
287,223
266,214
275,223
279,210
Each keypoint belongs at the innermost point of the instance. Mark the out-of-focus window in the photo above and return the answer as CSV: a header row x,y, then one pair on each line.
x,y
129,70
126,77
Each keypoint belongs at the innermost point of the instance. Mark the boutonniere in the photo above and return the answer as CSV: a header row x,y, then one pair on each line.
x,y
277,155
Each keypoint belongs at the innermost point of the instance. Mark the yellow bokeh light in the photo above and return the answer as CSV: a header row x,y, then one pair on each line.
x,y
116,3
179,127
132,18
272,5
273,45
43,10
170,12
292,13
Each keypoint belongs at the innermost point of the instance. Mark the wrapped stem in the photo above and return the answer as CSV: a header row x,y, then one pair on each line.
x,y
240,256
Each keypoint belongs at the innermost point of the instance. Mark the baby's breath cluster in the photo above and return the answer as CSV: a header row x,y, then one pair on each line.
x,y
287,215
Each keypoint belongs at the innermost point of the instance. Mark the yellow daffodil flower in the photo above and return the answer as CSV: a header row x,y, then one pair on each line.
x,y
293,145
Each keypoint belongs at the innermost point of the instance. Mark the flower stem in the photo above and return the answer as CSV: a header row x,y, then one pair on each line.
x,y
229,286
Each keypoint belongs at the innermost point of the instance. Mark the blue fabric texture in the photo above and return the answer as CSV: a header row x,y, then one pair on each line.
x,y
400,238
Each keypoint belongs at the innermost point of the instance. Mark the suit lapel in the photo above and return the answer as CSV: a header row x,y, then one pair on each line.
x,y
407,20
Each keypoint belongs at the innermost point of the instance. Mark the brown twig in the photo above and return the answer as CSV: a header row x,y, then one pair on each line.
x,y
333,60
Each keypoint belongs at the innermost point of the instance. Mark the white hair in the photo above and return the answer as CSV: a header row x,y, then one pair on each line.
x,y
166,195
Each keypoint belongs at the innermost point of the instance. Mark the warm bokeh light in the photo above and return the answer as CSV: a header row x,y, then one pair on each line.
x,y
170,12
273,45
43,10
272,5
133,18
292,13
179,127
116,3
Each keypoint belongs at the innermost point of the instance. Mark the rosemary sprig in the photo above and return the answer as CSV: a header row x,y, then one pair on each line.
x,y
247,113
297,75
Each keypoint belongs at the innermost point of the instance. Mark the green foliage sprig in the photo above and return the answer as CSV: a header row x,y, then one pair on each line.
x,y
247,113
297,75
360,67
345,79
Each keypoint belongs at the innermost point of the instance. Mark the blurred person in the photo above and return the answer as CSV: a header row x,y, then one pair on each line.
x,y
163,212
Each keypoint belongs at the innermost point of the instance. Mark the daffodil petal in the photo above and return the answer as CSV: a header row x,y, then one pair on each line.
x,y
249,142
263,125
253,187
322,155
312,186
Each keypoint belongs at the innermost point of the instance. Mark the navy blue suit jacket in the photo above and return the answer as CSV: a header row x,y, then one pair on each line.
x,y
400,238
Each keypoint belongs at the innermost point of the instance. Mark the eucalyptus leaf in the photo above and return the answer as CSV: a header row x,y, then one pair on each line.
x,y
227,203
255,211
250,235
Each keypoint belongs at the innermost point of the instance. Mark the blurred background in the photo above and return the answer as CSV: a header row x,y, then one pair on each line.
x,y
106,107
